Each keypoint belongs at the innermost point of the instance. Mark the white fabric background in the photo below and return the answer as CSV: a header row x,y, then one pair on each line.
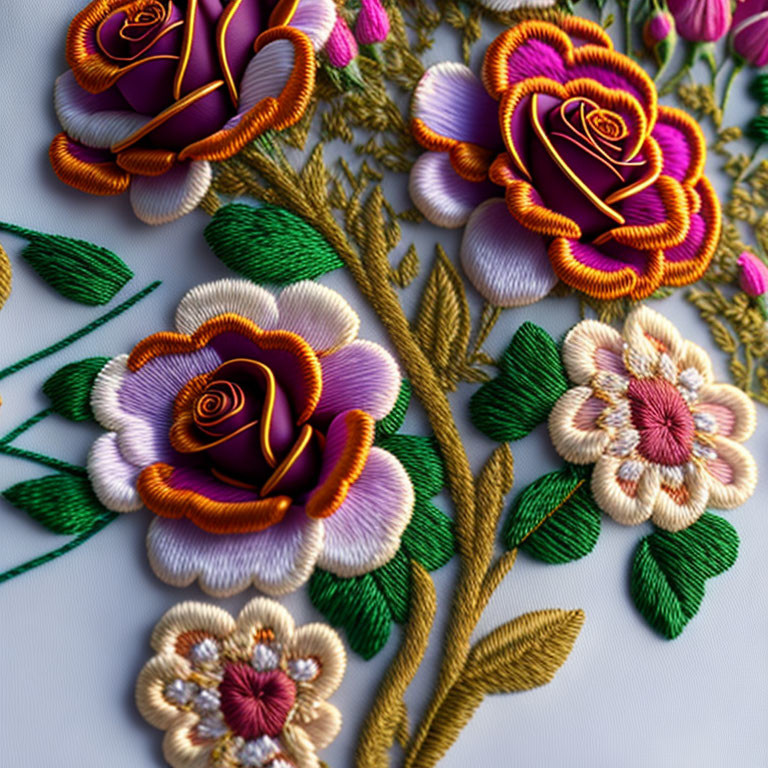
x,y
75,633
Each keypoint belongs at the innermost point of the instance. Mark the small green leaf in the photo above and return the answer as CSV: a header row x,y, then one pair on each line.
x,y
531,379
670,569
555,519
395,418
429,537
421,459
62,503
269,244
77,269
358,605
69,389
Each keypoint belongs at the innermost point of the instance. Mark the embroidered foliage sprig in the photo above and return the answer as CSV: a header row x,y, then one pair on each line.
x,y
556,519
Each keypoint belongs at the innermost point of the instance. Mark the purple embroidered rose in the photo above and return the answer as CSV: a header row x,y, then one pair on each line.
x,y
701,21
249,433
749,33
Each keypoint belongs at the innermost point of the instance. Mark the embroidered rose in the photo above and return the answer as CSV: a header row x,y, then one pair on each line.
x,y
249,433
664,438
158,89
603,188
243,693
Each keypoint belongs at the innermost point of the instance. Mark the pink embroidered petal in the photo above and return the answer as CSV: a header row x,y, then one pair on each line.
x,y
732,410
96,120
682,144
452,103
315,18
241,297
627,501
591,348
361,375
321,316
507,263
112,477
732,475
573,426
275,561
445,198
364,533
161,199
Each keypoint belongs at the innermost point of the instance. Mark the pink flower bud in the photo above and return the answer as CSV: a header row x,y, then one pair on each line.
x,y
341,46
749,33
658,28
701,21
372,23
754,274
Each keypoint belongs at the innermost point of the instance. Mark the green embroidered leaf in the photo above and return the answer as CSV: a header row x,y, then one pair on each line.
x,y
429,537
269,244
670,569
358,605
69,389
77,269
531,379
395,418
62,503
555,519
422,462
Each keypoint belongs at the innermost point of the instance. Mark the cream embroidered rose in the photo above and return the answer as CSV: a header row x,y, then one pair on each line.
x,y
241,693
664,438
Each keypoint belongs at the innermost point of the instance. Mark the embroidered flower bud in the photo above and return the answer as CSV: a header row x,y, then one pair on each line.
x,y
372,24
660,37
341,46
754,274
749,33
701,21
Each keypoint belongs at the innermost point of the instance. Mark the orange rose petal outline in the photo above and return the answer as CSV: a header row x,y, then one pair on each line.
x,y
206,513
470,161
170,343
145,161
328,497
104,178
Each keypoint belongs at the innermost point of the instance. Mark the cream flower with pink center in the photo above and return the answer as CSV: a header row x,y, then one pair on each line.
x,y
664,438
249,692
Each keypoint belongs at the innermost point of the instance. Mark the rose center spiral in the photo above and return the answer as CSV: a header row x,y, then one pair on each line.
x,y
255,703
663,419
219,401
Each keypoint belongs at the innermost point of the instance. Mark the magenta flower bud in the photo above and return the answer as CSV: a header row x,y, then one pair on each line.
x,y
372,24
749,33
658,28
701,21
754,274
341,46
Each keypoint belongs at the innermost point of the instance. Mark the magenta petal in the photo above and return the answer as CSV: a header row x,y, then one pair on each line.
x,y
276,561
691,246
507,263
609,257
361,375
645,208
203,483
675,149
444,197
536,59
364,533
453,103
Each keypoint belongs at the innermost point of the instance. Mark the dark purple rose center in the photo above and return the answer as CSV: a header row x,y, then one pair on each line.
x,y
255,703
663,419
579,156
244,428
